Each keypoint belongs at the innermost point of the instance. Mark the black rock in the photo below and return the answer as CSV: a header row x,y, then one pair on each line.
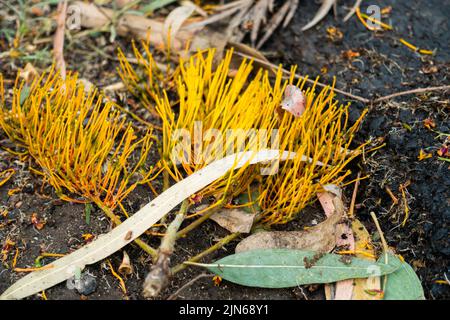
x,y
86,285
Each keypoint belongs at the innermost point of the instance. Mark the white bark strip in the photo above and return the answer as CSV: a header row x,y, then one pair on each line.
x,y
105,245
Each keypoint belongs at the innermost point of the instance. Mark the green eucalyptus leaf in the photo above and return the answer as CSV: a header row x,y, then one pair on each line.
x,y
282,268
402,284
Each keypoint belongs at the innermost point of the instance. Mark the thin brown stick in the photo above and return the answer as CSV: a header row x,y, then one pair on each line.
x,y
383,242
351,211
211,249
297,76
188,284
413,91
58,40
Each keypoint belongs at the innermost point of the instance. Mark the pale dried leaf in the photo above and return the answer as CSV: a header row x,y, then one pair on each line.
x,y
175,20
197,8
105,245
353,10
321,13
363,244
132,25
294,100
214,18
234,220
291,13
258,15
274,22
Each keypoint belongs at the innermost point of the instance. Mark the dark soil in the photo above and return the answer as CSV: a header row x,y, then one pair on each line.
x,y
384,66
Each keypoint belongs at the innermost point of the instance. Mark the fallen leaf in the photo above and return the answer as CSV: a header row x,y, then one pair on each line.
x,y
321,13
321,237
234,220
429,69
284,268
403,284
294,100
174,21
106,244
332,202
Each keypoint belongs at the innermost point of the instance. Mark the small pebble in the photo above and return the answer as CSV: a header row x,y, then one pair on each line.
x,y
86,285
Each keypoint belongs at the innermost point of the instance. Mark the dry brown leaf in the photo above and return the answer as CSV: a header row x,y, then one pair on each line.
x,y
343,290
140,27
321,238
94,17
234,220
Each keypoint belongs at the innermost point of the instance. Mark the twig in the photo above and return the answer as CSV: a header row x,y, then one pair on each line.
x,y
383,242
355,191
49,266
297,76
413,91
188,284
158,277
391,194
205,216
58,41
211,249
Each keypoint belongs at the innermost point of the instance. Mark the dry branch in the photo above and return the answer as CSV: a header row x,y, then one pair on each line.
x,y
129,24
58,41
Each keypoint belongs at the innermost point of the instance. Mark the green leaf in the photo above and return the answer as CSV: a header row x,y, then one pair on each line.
x,y
24,93
282,268
87,211
402,284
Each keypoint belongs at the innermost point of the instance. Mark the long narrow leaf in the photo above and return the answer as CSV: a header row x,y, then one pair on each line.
x,y
105,245
283,268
